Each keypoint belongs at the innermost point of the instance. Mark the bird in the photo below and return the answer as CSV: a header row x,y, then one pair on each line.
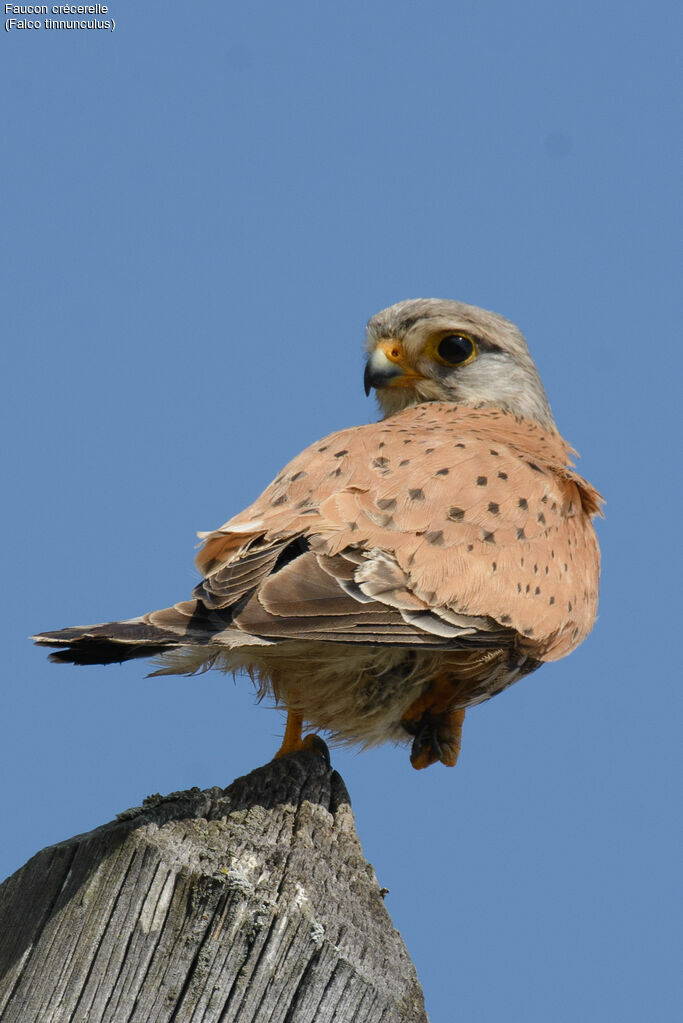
x,y
398,572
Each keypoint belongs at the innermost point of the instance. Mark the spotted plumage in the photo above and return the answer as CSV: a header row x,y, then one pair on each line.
x,y
377,594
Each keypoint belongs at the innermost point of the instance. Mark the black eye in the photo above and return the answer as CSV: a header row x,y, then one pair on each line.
x,y
456,349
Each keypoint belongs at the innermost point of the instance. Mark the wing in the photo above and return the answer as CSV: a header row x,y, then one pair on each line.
x,y
439,525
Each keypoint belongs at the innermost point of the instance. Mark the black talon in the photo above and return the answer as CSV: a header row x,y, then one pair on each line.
x,y
425,738
411,727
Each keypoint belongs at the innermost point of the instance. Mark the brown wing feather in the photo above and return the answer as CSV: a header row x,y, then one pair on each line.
x,y
307,599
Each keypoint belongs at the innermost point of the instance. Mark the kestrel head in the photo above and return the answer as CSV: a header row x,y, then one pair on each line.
x,y
432,349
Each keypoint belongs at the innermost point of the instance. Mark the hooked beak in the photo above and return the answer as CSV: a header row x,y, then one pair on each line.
x,y
387,367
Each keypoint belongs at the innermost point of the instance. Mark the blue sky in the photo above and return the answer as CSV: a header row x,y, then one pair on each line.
x,y
200,212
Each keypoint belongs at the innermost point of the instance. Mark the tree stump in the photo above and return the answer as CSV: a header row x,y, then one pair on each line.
x,y
251,903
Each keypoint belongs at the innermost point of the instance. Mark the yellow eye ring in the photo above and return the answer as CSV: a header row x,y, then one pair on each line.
x,y
453,349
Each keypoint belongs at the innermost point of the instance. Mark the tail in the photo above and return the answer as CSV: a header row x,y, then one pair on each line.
x,y
187,624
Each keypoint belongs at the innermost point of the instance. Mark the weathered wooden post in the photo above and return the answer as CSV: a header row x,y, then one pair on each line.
x,y
251,903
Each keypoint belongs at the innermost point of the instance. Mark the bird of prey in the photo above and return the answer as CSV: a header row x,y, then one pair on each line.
x,y
395,573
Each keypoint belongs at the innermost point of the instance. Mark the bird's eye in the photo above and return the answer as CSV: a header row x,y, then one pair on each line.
x,y
456,349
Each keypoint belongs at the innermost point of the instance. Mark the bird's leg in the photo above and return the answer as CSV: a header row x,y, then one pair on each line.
x,y
293,742
436,726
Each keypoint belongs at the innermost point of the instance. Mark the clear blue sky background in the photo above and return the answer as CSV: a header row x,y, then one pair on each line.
x,y
199,213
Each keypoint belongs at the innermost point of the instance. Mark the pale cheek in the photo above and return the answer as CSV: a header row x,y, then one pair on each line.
x,y
395,400
435,390
472,379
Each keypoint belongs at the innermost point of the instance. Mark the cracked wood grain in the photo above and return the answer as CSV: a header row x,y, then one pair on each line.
x,y
251,903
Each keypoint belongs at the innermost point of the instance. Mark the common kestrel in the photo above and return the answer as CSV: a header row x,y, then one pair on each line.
x,y
398,572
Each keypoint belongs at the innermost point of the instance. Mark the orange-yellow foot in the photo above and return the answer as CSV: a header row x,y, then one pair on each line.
x,y
294,742
315,744
437,738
